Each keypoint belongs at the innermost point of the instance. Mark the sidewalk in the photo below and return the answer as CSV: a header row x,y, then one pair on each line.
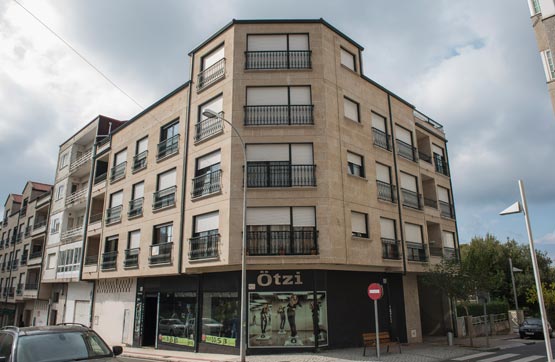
x,y
433,349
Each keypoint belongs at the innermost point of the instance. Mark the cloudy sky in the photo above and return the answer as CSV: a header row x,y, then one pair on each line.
x,y
471,65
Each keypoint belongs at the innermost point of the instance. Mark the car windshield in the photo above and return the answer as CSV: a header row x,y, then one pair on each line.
x,y
61,346
537,322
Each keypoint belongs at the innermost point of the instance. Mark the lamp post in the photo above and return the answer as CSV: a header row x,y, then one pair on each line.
x,y
243,339
513,269
515,209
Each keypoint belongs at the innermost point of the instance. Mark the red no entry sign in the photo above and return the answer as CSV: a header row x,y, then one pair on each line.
x,y
375,291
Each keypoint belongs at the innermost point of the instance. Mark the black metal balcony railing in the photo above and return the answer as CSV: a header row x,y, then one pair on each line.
x,y
164,198
99,178
204,247
109,260
95,218
131,258
15,264
424,156
441,164
19,289
39,223
446,209
91,259
11,292
386,191
211,74
24,256
28,230
430,202
411,199
290,242
113,214
118,172
160,253
31,286
139,161
208,128
136,207
279,115
19,237
1,244
390,249
450,253
207,184
4,222
280,174
436,250
416,252
381,139
4,265
278,59
407,151
168,147
35,254
23,211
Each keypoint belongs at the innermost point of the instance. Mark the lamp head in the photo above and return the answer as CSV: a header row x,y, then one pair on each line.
x,y
513,209
209,113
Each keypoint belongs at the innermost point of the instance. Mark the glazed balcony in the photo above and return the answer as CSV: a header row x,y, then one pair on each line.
x,y
386,191
207,128
135,208
131,258
77,163
72,234
113,214
139,161
76,197
118,172
204,247
446,209
160,254
164,198
390,249
290,242
278,59
271,115
381,139
207,184
211,75
168,147
411,199
407,151
109,261
280,174
416,252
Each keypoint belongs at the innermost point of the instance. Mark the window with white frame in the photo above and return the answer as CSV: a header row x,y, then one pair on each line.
x,y
60,192
549,66
351,109
69,260
355,164
348,60
64,160
51,261
55,226
359,224
207,178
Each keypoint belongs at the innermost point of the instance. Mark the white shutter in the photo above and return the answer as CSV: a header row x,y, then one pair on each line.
x,y
209,160
116,199
268,152
408,182
142,145
298,42
134,239
301,154
139,190
347,59
543,56
213,58
300,95
443,194
356,159
304,216
413,233
403,135
207,222
382,173
387,227
358,222
267,42
268,216
166,179
437,149
547,8
216,105
267,96
448,239
378,122
350,109
121,157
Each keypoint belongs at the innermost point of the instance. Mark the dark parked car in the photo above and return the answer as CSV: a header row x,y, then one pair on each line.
x,y
532,327
67,342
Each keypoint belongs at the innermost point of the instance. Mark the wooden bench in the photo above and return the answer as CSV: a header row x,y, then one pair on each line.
x,y
369,340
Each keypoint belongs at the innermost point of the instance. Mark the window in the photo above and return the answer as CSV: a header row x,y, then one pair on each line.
x,y
212,68
409,190
207,125
141,153
444,201
386,191
69,260
134,240
535,7
137,200
120,164
110,255
279,106
415,245
64,160
169,140
207,174
379,132
55,226
355,164
549,67
348,60
166,189
213,57
60,192
204,243
404,143
351,109
359,224
133,247
278,51
439,160
448,239
162,245
390,246
113,214
163,234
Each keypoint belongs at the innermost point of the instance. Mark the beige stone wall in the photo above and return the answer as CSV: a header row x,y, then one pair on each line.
x,y
412,309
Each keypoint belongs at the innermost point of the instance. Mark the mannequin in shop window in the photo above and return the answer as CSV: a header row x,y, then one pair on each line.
x,y
291,315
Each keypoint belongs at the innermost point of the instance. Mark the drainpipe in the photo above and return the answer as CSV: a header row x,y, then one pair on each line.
x,y
399,206
13,258
453,200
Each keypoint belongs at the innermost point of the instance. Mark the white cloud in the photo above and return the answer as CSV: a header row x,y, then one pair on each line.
x,y
548,238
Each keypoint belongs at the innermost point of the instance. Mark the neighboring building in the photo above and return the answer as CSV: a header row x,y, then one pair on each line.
x,y
543,21
24,300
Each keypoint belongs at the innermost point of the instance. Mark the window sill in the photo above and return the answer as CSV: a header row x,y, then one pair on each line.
x,y
136,170
359,123
162,208
113,222
388,202
412,208
134,216
361,238
131,267
208,86
277,70
357,177
349,69
202,197
197,142
169,263
211,259
116,180
165,157
401,157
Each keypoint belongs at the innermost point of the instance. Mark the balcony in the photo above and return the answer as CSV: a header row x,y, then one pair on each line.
x,y
24,256
390,249
446,209
15,264
131,258
118,172
11,292
278,59
168,147
139,161
164,198
416,252
441,165
381,139
211,75
386,191
204,247
19,290
290,242
19,237
430,203
207,128
436,251
411,199
280,174
424,157
279,115
160,254
91,259
407,151
5,222
109,261
31,286
75,164
207,184
450,253
103,144
72,233
95,218
35,254
28,230
113,214
100,178
76,197
135,208
23,211
4,265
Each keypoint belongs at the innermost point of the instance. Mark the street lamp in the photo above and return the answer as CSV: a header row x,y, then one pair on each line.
x,y
515,209
513,270
243,340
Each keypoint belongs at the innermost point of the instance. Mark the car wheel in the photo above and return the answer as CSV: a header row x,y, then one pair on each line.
x,y
521,335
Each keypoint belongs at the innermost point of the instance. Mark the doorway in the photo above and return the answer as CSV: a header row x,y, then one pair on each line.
x,y
53,317
150,316
27,318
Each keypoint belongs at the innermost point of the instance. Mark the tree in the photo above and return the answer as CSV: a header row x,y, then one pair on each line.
x,y
548,291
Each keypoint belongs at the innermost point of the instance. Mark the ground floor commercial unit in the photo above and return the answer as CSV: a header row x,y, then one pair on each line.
x,y
70,303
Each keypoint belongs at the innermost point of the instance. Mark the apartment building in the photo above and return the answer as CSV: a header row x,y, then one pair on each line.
x,y
347,184
24,300
543,20
70,297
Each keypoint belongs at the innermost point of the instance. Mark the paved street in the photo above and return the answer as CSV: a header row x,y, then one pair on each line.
x,y
127,359
526,353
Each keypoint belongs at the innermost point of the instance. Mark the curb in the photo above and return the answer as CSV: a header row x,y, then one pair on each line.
x,y
153,357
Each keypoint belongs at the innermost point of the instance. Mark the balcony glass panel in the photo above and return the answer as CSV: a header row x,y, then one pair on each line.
x,y
109,260
386,191
406,151
411,199
136,207
118,172
131,258
381,139
139,161
113,214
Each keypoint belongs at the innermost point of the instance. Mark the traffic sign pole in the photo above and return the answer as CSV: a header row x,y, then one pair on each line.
x,y
375,292
377,328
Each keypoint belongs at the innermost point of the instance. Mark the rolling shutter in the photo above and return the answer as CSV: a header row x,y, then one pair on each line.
x,y
382,173
138,190
268,216
413,233
403,135
301,154
166,180
438,150
209,160
213,58
378,122
216,105
443,194
121,157
353,158
448,239
142,145
350,109
300,95
207,222
347,59
116,199
298,42
267,96
358,222
387,228
304,216
268,152
134,239
408,182
267,42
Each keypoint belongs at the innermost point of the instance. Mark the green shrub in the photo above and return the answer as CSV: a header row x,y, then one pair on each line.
x,y
475,309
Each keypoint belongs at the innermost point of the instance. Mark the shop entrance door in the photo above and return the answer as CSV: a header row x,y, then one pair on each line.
x,y
150,320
